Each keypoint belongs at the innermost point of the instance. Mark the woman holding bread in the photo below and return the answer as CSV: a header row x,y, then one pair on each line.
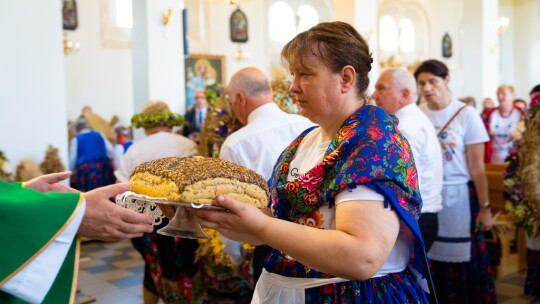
x,y
344,196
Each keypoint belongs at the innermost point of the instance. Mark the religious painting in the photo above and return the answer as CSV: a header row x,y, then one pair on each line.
x,y
447,46
202,71
69,15
239,26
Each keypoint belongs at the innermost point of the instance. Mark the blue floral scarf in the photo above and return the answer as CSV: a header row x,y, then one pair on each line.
x,y
367,150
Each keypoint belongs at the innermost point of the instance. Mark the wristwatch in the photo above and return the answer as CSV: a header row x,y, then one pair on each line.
x,y
485,205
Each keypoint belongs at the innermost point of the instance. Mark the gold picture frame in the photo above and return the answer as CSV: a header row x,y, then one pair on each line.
x,y
202,70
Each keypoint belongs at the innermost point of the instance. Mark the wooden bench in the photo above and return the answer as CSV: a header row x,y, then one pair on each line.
x,y
513,253
495,178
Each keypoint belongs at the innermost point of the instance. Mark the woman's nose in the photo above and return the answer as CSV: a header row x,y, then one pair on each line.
x,y
294,87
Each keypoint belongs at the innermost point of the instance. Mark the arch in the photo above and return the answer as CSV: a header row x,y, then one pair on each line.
x,y
409,20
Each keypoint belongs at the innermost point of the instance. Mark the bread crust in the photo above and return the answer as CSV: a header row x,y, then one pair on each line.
x,y
200,180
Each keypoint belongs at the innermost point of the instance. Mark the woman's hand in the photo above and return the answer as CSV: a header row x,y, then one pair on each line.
x,y
484,220
50,183
241,222
104,220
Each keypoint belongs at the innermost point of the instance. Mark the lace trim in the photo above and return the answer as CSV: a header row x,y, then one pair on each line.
x,y
142,204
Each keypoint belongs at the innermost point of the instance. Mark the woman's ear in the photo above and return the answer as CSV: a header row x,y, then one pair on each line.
x,y
348,78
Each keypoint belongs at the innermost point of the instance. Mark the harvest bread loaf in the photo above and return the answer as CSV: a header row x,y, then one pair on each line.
x,y
198,179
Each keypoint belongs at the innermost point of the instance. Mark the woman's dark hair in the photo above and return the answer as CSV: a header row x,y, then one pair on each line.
x,y
432,66
335,44
535,89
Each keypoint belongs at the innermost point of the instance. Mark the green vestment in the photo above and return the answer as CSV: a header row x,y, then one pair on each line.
x,y
29,222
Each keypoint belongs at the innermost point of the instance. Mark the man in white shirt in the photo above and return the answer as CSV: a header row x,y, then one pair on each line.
x,y
266,133
395,92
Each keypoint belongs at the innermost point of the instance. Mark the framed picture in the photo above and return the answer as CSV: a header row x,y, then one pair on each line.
x,y
69,14
238,26
201,71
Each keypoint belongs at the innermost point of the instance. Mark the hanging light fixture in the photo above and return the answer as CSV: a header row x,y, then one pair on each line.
x,y
69,45
502,24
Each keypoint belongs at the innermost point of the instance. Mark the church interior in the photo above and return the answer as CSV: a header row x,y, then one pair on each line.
x,y
112,56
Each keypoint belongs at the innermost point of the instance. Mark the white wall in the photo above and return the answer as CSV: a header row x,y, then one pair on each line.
x,y
95,75
218,41
158,63
32,81
506,46
527,46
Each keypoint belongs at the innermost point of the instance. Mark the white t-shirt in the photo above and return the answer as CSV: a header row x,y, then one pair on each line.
x,y
427,154
500,132
311,152
466,129
158,145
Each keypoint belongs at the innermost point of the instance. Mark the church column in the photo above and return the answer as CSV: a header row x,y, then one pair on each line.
x,y
158,61
362,14
526,28
480,44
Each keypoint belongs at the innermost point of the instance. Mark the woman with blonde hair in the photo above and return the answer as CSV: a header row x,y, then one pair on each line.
x,y
501,123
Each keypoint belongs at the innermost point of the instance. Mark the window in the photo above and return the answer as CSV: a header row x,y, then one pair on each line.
x,y
281,22
406,36
116,23
288,18
403,33
388,34
307,17
124,14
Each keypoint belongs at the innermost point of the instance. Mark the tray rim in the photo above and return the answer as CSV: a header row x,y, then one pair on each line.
x,y
161,200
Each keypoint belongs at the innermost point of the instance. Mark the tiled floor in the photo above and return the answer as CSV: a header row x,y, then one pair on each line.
x,y
113,272
110,273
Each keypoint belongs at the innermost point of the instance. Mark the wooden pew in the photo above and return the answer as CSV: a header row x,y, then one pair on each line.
x,y
513,254
494,173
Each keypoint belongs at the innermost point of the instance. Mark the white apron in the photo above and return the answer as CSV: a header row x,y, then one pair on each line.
x,y
274,288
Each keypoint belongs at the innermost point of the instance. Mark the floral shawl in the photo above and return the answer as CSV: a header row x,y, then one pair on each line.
x,y
367,150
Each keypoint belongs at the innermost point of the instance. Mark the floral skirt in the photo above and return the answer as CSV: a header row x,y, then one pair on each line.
x,y
217,283
532,281
169,265
393,288
467,282
93,174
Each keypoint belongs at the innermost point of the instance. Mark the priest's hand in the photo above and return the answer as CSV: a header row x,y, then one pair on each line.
x,y
104,220
50,183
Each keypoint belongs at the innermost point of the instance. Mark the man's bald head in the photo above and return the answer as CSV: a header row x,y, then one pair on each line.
x,y
248,89
251,81
395,89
